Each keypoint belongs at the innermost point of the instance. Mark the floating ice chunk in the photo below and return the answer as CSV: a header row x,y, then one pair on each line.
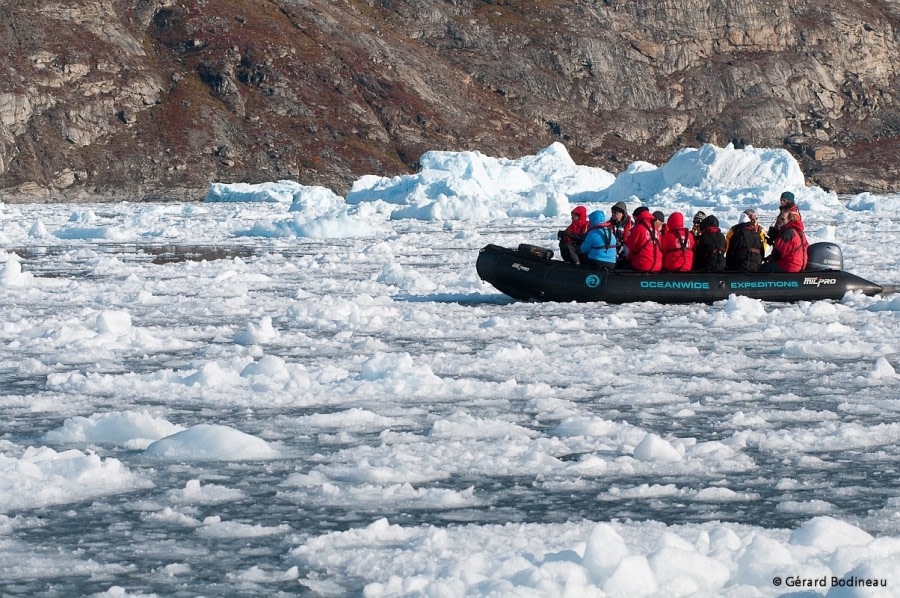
x,y
681,571
120,592
270,192
354,419
38,230
211,442
174,569
463,425
397,365
604,551
407,280
764,559
883,369
195,493
114,322
256,574
133,429
582,426
101,232
257,334
42,476
11,274
810,507
654,448
211,374
724,495
745,308
316,201
877,204
470,185
213,527
268,366
827,534
340,226
633,577
170,515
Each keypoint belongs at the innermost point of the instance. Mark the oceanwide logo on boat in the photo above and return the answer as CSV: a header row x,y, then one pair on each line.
x,y
668,284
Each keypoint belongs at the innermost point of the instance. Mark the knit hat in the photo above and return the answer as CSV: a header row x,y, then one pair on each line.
x,y
788,196
659,216
699,216
620,206
639,210
709,222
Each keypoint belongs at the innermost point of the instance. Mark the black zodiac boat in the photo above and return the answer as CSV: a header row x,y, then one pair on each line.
x,y
529,274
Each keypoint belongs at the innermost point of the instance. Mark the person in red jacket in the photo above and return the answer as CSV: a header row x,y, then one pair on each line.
x,y
570,239
789,253
644,254
677,245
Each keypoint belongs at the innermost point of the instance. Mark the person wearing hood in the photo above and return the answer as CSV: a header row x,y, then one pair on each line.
x,y
571,238
677,245
709,254
621,224
787,205
789,252
599,246
745,244
642,244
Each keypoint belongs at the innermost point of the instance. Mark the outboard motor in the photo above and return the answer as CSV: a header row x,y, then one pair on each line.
x,y
825,256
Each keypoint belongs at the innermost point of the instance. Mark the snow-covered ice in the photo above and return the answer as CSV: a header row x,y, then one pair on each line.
x,y
280,389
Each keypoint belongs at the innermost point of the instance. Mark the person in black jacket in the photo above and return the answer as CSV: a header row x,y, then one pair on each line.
x,y
709,253
745,245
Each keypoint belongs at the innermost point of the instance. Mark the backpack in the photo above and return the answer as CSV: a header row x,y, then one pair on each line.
x,y
717,256
744,250
709,254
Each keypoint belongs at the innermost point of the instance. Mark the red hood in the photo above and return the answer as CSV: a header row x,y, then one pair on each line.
x,y
646,217
676,220
580,226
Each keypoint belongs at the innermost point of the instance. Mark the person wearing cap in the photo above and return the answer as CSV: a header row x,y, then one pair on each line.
x,y
621,224
709,253
571,238
745,244
787,205
644,252
660,223
789,252
698,218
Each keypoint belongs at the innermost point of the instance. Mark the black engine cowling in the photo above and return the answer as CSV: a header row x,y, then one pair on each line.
x,y
825,256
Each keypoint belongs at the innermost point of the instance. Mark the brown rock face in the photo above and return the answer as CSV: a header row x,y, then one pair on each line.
x,y
153,99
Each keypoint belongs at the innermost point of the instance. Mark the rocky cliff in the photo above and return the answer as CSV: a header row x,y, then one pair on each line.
x,y
153,99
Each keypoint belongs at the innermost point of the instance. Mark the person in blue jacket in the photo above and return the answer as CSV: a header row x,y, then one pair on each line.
x,y
599,245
